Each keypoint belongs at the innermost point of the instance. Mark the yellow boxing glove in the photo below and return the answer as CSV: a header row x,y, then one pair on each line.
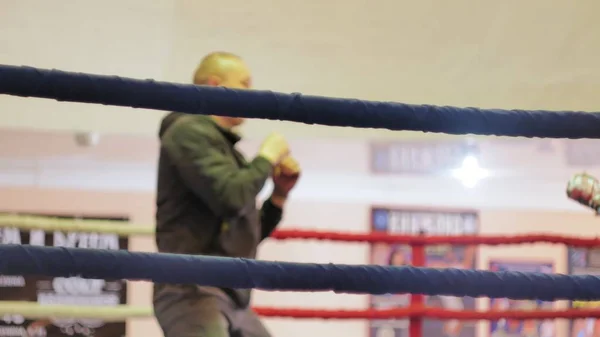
x,y
274,149
287,167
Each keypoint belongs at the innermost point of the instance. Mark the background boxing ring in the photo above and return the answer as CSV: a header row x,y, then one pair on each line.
x,y
290,276
416,312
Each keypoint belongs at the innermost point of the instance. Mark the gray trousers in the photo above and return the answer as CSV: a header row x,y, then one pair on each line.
x,y
204,312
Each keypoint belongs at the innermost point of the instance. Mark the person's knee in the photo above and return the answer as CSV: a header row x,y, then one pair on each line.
x,y
217,326
192,319
204,327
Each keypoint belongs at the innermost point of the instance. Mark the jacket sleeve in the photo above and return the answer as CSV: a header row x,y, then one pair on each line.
x,y
270,216
212,175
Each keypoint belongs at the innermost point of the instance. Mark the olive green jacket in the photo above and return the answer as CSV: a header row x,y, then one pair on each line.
x,y
206,193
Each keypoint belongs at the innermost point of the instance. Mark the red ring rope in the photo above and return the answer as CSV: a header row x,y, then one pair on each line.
x,y
437,240
417,310
427,312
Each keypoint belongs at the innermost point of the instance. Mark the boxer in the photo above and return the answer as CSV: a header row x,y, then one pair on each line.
x,y
206,205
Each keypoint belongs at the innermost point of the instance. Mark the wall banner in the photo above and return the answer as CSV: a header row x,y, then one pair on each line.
x,y
61,290
432,222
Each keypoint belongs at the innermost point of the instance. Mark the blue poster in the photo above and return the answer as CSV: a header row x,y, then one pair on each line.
x,y
521,328
432,222
585,261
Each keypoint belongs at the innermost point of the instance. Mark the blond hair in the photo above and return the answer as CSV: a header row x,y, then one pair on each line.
x,y
212,65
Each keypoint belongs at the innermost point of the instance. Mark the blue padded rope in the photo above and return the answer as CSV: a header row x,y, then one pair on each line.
x,y
148,94
244,273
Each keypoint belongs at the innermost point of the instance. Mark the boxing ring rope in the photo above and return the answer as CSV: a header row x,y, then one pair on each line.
x,y
121,313
365,279
69,262
31,310
286,276
118,228
149,94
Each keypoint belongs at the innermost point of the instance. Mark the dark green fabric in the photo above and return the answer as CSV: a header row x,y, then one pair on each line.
x,y
206,193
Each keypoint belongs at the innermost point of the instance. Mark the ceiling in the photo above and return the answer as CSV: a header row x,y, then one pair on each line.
x,y
534,54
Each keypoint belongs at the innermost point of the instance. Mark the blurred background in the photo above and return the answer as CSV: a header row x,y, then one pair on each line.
x,y
82,160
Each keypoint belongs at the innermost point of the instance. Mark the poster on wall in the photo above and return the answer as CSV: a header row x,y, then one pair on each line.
x,y
584,261
422,157
61,290
521,328
431,222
